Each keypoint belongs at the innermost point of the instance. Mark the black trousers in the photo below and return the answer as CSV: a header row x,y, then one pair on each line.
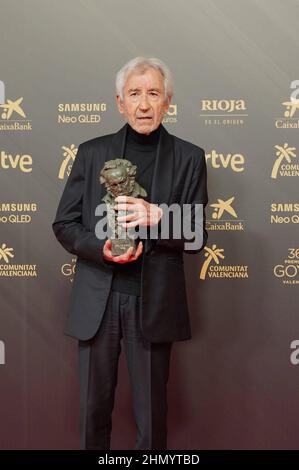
x,y
148,366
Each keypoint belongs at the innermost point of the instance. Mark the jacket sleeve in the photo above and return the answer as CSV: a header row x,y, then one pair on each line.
x,y
197,194
67,226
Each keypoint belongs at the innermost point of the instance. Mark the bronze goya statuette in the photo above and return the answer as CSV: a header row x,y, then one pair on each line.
x,y
118,175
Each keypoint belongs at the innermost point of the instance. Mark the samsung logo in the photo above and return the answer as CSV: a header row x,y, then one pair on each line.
x,y
288,207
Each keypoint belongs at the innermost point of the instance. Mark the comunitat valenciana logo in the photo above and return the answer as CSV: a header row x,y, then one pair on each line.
x,y
9,269
69,154
224,216
213,267
12,114
288,270
228,161
284,164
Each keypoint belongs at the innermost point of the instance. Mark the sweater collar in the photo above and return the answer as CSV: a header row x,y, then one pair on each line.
x,y
134,137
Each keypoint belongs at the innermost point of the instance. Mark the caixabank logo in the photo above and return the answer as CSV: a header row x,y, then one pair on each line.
x,y
80,113
288,270
224,216
214,266
9,269
290,109
69,154
12,114
234,162
285,164
68,269
223,112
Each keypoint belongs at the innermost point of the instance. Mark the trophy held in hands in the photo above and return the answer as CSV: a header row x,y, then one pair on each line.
x,y
118,175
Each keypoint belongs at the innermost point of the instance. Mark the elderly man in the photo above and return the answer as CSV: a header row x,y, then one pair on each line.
x,y
139,296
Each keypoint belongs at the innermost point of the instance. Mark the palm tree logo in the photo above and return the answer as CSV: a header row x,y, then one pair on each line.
x,y
12,106
6,253
69,157
283,153
213,253
222,206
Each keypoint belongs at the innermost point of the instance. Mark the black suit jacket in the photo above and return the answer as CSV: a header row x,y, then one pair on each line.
x,y
180,175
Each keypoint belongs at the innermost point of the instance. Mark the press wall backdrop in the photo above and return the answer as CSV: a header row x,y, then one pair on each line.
x,y
235,65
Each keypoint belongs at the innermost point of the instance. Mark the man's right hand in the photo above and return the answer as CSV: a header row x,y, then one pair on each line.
x,y
126,257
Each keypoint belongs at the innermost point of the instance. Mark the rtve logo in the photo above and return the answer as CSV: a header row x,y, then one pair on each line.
x,y
17,162
235,161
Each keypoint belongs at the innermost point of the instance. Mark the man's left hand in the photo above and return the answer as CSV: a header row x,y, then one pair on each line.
x,y
143,213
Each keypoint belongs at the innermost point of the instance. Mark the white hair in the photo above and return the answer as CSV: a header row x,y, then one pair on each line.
x,y
142,64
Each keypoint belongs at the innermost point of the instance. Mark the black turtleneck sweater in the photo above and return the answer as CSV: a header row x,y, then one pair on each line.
x,y
141,150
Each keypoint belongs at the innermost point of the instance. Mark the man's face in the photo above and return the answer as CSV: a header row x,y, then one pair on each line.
x,y
143,104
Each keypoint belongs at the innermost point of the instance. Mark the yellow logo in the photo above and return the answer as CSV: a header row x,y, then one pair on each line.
x,y
16,212
11,107
290,119
283,164
218,222
82,113
14,270
284,213
68,269
12,114
6,253
69,157
213,268
291,107
212,254
288,271
223,206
